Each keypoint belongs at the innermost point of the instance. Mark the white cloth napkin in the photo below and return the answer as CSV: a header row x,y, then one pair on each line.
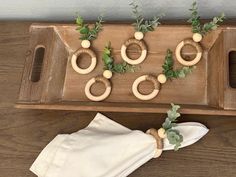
x,y
104,149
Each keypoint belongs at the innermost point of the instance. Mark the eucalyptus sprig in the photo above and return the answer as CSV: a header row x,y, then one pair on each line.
x,y
168,69
174,137
141,24
88,33
213,25
197,27
114,67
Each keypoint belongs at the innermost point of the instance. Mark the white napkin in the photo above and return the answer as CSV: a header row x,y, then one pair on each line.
x,y
104,149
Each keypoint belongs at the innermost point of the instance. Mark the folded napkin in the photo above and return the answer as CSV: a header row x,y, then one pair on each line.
x,y
105,149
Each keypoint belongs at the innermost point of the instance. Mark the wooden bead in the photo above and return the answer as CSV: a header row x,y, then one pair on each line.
x,y
138,35
107,74
197,37
162,78
162,133
85,44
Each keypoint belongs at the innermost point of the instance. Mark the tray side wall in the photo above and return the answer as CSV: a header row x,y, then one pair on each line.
x,y
229,92
214,76
49,87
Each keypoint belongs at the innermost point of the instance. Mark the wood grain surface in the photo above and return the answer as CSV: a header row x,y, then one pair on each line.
x,y
60,87
24,133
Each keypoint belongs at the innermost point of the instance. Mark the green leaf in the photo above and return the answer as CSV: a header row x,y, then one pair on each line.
x,y
175,107
172,116
107,59
213,25
174,137
168,67
141,24
167,124
79,21
107,51
181,74
114,67
195,18
84,30
205,28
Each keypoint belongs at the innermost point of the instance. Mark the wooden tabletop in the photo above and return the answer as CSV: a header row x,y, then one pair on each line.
x,y
24,133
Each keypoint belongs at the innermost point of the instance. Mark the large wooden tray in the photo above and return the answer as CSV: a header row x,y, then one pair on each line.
x,y
55,85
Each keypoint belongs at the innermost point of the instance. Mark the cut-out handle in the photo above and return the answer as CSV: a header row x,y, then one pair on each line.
x,y
232,69
37,63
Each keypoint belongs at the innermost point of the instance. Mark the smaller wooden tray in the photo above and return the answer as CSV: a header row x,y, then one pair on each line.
x,y
55,85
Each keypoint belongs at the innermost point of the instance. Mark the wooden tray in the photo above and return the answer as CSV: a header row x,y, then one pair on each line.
x,y
210,89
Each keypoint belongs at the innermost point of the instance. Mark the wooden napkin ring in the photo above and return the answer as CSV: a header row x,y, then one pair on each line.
x,y
159,141
75,57
154,133
143,55
92,81
150,96
181,59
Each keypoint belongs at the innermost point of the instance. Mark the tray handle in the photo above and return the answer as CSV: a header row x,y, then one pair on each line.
x,y
36,65
229,74
232,69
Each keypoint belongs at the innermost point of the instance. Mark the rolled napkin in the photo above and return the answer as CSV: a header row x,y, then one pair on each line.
x,y
105,149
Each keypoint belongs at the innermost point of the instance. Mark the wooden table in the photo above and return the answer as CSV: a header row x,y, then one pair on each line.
x,y
24,133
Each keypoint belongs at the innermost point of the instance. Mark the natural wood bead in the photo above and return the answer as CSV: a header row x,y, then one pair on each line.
x,y
162,133
138,35
162,78
197,37
107,74
85,44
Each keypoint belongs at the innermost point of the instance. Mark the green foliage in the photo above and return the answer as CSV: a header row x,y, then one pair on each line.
x,y
86,32
207,27
195,19
114,67
174,137
141,24
168,68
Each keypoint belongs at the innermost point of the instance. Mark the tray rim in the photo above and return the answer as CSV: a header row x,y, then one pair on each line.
x,y
162,108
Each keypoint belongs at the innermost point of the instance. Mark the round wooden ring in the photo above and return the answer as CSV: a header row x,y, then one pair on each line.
x,y
159,141
75,57
143,55
150,96
93,81
181,59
